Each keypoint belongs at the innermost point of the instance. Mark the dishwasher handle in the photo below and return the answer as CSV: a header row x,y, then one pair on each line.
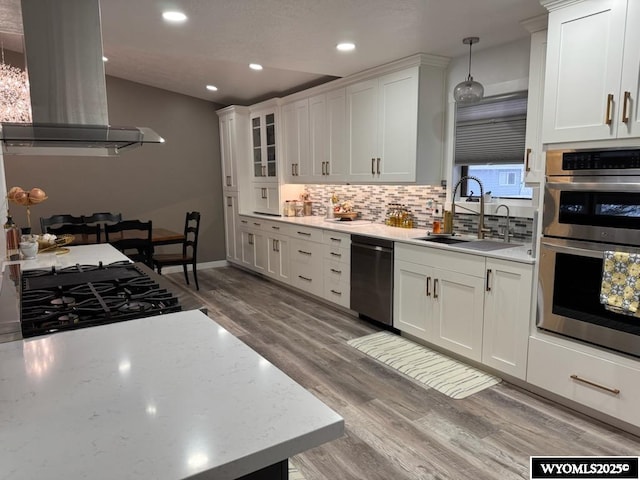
x,y
377,248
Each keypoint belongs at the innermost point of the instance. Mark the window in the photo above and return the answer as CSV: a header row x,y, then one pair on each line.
x,y
490,138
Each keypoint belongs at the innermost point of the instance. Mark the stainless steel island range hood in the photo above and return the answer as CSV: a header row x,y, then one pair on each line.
x,y
63,49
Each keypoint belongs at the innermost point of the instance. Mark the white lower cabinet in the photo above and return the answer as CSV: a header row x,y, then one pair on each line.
x,y
584,377
233,242
278,243
437,300
337,267
306,266
475,307
457,312
506,316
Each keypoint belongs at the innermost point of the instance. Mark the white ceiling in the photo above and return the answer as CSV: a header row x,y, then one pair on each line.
x,y
293,39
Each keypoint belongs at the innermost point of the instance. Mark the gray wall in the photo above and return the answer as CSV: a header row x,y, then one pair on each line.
x,y
156,182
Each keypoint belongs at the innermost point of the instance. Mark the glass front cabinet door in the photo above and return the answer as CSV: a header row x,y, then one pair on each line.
x,y
263,134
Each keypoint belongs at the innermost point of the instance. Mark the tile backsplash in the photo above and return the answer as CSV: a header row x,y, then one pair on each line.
x,y
372,201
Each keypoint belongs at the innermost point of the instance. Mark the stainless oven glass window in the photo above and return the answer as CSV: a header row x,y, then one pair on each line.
x,y
610,209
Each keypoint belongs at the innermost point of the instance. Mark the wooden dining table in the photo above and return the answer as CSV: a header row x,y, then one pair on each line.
x,y
159,236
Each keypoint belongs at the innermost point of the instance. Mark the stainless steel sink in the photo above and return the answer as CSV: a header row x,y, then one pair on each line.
x,y
488,245
445,240
471,244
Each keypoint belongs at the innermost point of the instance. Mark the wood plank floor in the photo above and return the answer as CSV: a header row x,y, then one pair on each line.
x,y
395,429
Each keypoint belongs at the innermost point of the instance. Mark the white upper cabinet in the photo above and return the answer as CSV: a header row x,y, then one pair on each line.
x,y
593,62
384,119
383,126
534,155
234,124
264,148
295,136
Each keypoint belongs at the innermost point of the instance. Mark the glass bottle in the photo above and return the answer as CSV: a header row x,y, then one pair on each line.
x,y
12,236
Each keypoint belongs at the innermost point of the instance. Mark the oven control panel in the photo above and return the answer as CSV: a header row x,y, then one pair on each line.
x,y
601,160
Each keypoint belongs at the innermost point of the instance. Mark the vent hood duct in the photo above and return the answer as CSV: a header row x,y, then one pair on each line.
x,y
63,49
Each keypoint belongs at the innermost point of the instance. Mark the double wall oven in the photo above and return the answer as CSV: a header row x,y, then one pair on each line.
x,y
591,205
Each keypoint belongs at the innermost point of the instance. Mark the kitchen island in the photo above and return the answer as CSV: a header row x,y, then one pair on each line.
x,y
165,397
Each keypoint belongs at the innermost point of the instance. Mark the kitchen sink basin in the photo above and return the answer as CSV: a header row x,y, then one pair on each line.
x,y
445,240
471,244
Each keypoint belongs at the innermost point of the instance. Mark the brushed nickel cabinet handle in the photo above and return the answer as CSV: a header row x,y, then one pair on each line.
x,y
273,245
256,224
435,288
324,169
229,201
293,170
244,221
277,245
328,168
228,180
304,253
333,254
337,293
251,239
304,233
339,272
297,169
488,287
373,166
625,107
527,155
275,227
615,391
608,120
428,293
334,239
305,278
378,162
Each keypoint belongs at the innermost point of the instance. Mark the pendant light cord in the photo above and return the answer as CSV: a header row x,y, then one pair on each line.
x,y
469,78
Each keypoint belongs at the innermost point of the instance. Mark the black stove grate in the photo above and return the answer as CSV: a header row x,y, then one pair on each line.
x,y
90,295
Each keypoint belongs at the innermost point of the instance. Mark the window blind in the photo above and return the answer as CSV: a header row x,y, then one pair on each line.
x,y
492,131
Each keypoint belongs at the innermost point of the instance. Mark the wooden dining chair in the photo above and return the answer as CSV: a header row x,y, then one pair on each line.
x,y
133,238
106,217
84,234
62,219
189,249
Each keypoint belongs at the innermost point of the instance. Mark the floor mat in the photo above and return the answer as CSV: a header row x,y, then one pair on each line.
x,y
446,375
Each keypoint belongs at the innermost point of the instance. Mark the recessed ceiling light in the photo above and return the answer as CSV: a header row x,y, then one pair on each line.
x,y
346,46
174,16
212,88
255,66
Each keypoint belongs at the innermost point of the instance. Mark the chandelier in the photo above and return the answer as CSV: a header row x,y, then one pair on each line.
x,y
15,102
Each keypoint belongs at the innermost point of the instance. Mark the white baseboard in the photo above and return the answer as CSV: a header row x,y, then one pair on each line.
x,y
178,268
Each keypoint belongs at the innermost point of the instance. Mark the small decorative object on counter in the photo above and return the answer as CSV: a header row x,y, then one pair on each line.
x,y
289,208
12,237
307,208
299,209
399,216
448,222
331,206
26,198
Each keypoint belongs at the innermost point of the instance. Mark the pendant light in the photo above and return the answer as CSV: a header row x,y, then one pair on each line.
x,y
468,91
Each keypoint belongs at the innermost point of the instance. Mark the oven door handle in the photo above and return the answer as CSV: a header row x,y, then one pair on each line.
x,y
571,250
594,186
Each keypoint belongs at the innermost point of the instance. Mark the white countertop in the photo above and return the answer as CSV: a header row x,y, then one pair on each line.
x,y
165,397
80,254
518,252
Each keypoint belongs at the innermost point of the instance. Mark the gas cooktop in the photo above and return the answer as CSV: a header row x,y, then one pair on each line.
x,y
81,296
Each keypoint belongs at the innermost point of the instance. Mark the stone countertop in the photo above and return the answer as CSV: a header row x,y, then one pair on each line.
x,y
518,252
165,397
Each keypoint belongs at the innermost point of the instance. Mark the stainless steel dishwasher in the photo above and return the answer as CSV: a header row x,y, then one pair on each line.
x,y
372,278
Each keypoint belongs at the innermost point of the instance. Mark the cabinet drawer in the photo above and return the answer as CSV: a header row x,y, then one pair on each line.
x,y
465,263
307,233
307,277
338,293
336,239
276,228
306,252
551,366
341,255
336,272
